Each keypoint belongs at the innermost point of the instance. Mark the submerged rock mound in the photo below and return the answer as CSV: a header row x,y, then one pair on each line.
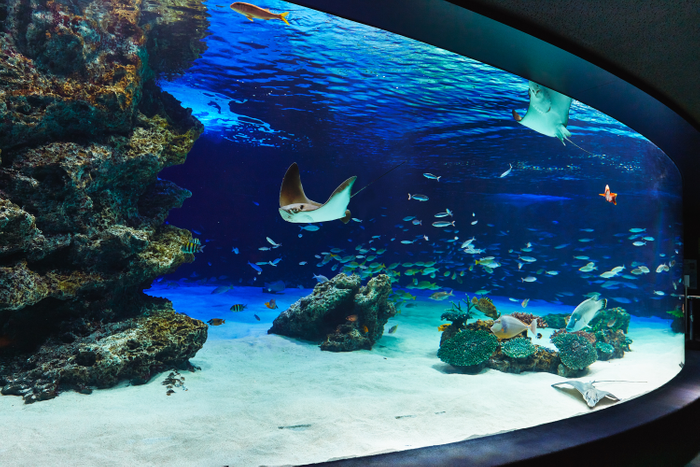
x,y
341,313
84,132
102,355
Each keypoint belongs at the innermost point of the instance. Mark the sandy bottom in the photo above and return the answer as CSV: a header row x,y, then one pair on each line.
x,y
268,400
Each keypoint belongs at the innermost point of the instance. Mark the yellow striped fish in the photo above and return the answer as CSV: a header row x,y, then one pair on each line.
x,y
238,307
192,247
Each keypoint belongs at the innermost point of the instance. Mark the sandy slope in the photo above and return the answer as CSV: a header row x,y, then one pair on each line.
x,y
268,400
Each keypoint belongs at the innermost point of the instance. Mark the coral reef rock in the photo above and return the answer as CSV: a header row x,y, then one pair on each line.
x,y
469,349
100,355
84,132
576,352
341,313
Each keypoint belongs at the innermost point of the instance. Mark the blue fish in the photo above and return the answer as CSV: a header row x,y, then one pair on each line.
x,y
256,267
309,228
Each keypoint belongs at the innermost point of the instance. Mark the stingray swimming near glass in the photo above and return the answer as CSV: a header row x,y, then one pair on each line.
x,y
548,113
295,207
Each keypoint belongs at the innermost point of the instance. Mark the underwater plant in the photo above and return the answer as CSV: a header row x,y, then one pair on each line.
x,y
456,315
575,351
468,348
518,347
677,313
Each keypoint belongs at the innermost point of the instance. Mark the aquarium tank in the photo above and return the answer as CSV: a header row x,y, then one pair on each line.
x,y
263,234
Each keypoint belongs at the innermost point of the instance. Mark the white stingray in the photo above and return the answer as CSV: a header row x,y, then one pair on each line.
x,y
548,113
295,207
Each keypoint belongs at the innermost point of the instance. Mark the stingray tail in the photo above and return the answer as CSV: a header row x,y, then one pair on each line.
x,y
588,152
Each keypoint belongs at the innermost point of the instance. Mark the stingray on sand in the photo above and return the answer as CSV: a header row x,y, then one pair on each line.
x,y
590,393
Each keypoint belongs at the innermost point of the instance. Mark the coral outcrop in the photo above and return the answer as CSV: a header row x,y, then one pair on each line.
x,y
84,132
468,349
93,354
576,353
341,313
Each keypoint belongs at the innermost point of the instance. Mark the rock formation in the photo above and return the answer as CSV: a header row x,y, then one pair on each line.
x,y
84,131
342,313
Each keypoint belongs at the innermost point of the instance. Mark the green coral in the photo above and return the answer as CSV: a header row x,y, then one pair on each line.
x,y
519,347
676,313
576,352
468,348
611,318
605,351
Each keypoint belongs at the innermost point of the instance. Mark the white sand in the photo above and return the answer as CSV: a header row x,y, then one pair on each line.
x,y
397,396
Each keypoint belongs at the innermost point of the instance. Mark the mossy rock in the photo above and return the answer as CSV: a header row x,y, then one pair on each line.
x,y
612,318
519,347
605,351
468,348
575,351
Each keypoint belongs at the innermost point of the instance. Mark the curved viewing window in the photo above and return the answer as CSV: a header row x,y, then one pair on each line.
x,y
479,196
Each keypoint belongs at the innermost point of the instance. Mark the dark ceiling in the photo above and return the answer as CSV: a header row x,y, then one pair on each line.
x,y
652,44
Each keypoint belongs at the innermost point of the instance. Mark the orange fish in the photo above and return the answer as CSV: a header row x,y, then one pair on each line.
x,y
352,318
365,329
442,327
609,197
271,304
252,11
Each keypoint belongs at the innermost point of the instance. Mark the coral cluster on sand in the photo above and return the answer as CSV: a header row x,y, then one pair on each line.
x,y
340,312
468,348
84,132
576,351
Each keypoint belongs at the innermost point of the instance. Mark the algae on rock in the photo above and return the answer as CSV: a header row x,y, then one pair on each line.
x,y
324,314
84,132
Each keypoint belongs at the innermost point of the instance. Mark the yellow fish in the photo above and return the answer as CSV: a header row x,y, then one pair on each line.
x,y
252,11
442,327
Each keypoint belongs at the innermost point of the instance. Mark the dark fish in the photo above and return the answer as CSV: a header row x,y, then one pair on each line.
x,y
216,321
192,247
274,287
238,307
392,329
257,317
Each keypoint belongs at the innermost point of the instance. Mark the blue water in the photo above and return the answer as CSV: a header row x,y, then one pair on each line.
x,y
344,99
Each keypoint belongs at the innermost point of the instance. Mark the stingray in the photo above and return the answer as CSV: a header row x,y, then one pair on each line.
x,y
590,393
548,113
295,207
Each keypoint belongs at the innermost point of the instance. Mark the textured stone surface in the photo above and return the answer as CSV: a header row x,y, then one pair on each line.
x,y
84,132
93,354
323,315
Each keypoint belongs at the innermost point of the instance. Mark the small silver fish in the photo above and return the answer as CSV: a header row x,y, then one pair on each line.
x,y
432,177
418,197
504,174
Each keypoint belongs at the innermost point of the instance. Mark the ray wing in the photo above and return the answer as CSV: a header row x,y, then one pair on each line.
x,y
291,191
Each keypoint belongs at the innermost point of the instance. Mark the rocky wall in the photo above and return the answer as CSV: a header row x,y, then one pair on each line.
x,y
84,132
